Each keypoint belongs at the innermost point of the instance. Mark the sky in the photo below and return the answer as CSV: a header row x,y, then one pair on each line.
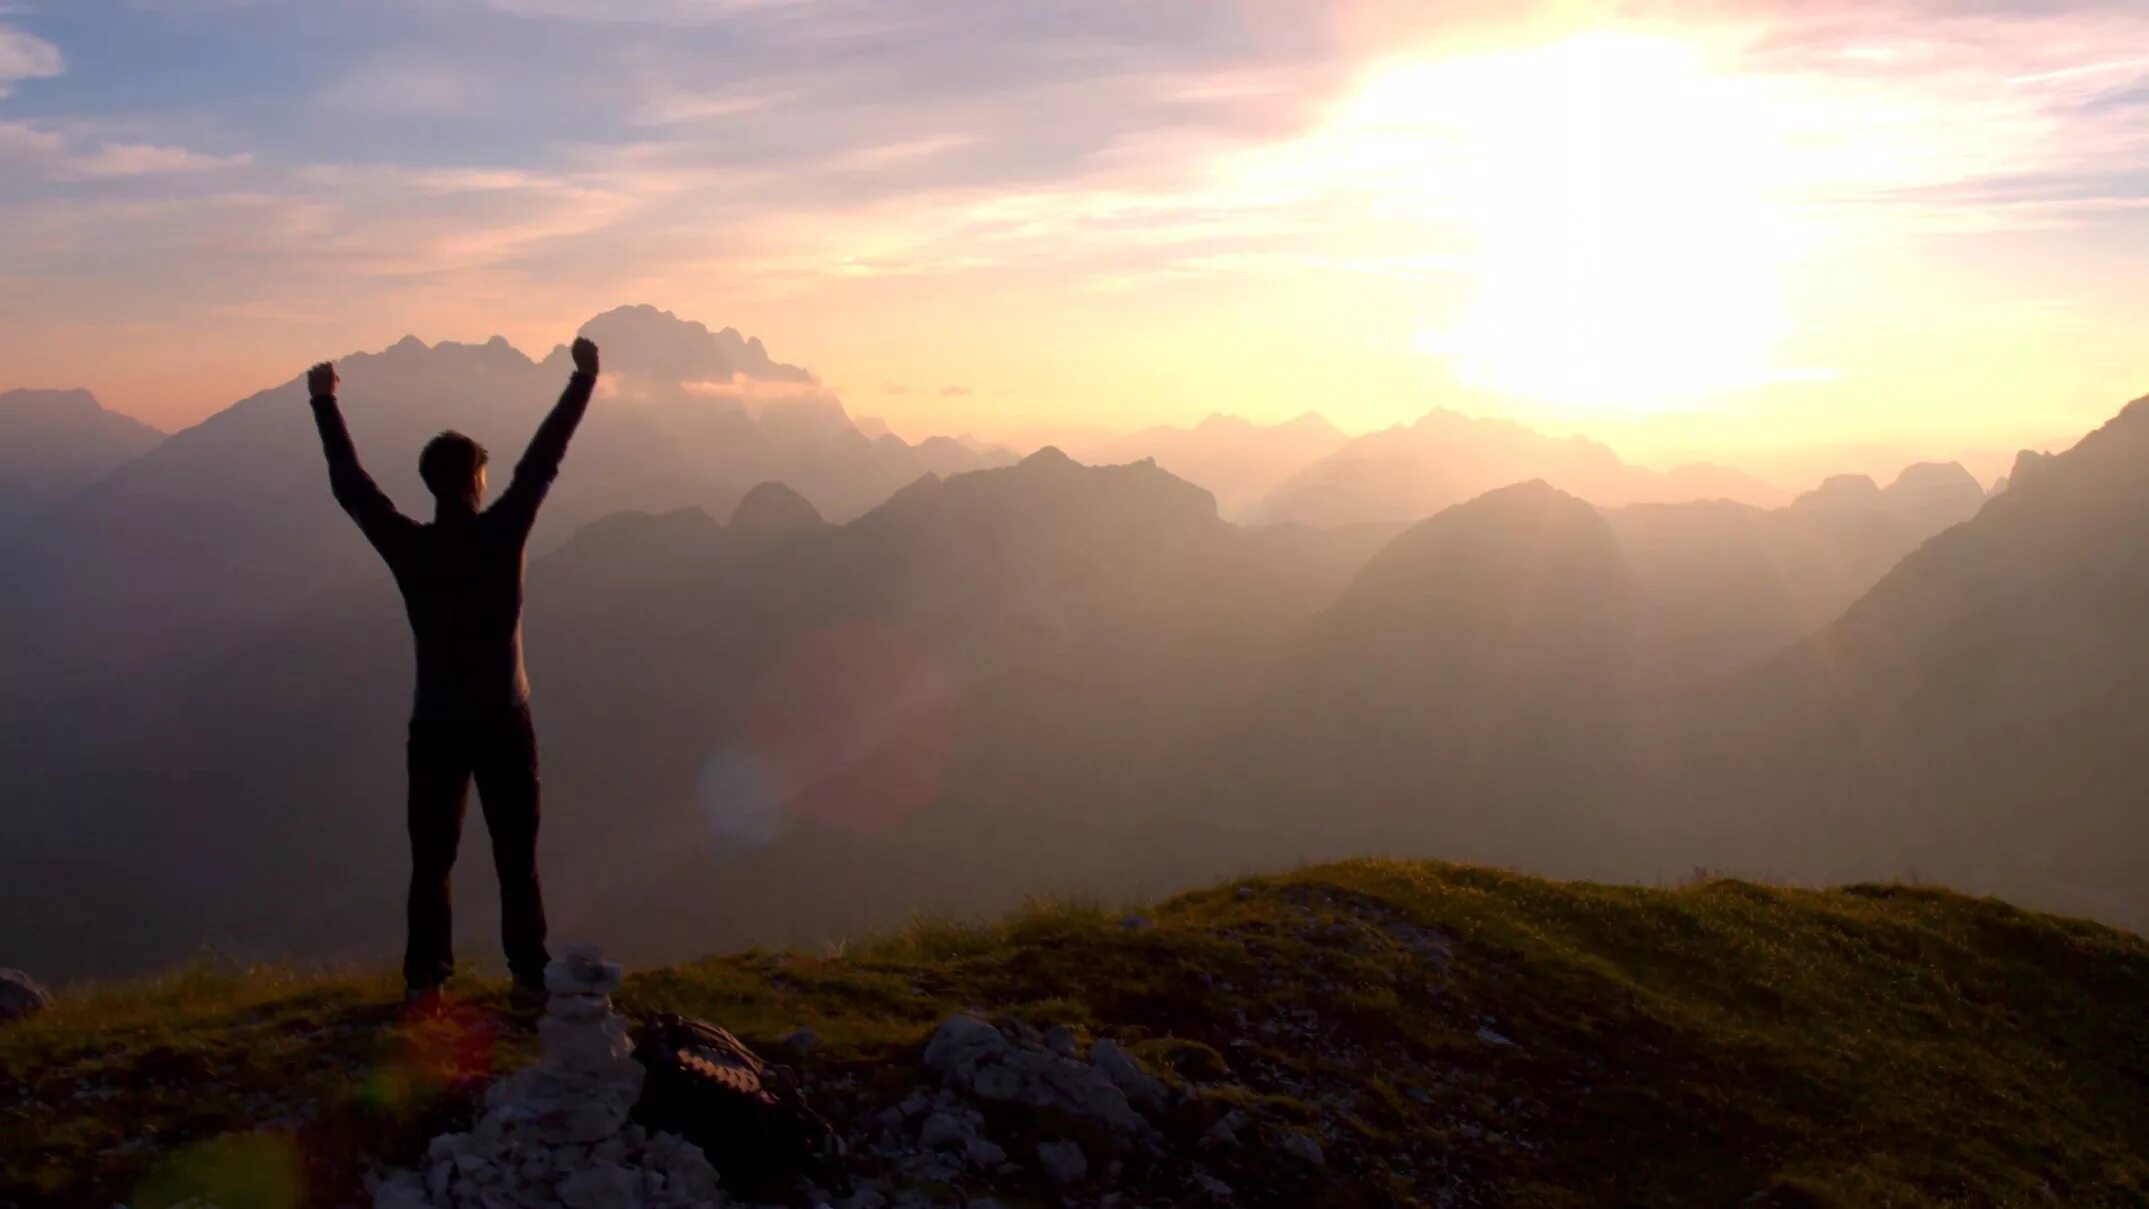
x,y
1724,230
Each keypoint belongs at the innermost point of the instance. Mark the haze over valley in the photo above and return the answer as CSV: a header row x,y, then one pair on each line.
x,y
807,682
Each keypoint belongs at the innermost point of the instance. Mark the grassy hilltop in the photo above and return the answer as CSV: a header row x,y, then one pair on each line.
x,y
1447,1035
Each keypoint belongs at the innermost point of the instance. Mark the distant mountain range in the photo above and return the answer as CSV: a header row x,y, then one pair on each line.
x,y
818,715
1409,472
54,443
225,526
1238,461
1976,716
1045,675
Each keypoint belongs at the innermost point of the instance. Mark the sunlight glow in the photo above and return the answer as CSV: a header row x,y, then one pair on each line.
x,y
1629,240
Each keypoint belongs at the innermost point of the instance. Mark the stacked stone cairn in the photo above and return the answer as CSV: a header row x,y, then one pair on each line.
x,y
556,1135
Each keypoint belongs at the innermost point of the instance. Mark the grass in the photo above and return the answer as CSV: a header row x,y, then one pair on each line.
x,y
1448,1034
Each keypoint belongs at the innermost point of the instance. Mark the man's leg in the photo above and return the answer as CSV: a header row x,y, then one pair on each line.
x,y
439,782
507,788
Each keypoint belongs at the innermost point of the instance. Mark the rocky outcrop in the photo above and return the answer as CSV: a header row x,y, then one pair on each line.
x,y
1002,1084
21,996
556,1135
1016,1065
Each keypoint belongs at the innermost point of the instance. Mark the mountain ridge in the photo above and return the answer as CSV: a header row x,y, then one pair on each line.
x,y
1357,1035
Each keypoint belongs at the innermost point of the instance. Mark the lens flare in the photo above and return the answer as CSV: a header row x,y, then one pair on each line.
x,y
851,727
736,800
446,1043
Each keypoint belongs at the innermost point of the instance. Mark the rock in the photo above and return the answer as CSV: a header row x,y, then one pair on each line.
x,y
983,1151
801,1040
602,1187
1135,923
557,1134
943,1129
21,996
1142,1089
1490,1037
1214,1190
581,970
1301,1146
403,1191
973,1056
1060,1040
1226,1130
1063,1161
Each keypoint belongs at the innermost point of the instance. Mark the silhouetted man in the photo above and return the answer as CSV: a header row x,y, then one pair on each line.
x,y
461,578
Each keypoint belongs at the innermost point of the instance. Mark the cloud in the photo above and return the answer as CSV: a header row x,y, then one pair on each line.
x,y
52,150
680,108
637,12
894,388
143,159
22,140
404,87
25,56
902,151
955,392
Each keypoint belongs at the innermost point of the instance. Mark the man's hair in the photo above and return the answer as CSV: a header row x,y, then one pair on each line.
x,y
450,465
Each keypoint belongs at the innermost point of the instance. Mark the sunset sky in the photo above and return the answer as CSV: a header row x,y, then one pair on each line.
x,y
1692,229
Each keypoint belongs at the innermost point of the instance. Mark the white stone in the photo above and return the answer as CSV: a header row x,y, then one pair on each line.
x,y
581,970
558,1134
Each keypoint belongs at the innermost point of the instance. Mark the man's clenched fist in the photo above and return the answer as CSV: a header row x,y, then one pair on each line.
x,y
585,355
321,379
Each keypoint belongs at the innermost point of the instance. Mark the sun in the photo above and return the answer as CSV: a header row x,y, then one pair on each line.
x,y
1627,234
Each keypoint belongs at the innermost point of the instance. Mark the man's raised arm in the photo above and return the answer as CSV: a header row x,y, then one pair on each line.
x,y
353,488
540,463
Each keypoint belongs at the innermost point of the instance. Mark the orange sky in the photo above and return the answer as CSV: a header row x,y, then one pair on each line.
x,y
1778,232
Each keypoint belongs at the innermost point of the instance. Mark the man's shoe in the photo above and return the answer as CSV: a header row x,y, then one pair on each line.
x,y
423,1001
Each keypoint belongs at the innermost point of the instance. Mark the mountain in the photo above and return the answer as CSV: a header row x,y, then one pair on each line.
x,y
1974,716
1367,1034
227,526
907,706
1429,708
1043,675
1720,583
54,443
1407,473
774,510
1238,461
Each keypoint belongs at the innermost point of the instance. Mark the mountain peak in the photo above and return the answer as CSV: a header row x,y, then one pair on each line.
x,y
26,399
1047,458
661,345
1841,491
73,405
1311,422
773,508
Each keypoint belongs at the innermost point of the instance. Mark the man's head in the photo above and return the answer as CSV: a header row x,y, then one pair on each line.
x,y
453,467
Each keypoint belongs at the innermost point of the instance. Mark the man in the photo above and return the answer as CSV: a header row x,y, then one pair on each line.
x,y
461,578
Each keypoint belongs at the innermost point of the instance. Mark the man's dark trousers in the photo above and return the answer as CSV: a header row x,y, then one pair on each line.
x,y
500,750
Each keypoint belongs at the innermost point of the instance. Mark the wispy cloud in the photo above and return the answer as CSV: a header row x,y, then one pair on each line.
x,y
144,159
25,56
400,86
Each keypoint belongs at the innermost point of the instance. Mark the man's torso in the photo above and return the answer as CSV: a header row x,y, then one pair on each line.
x,y
461,581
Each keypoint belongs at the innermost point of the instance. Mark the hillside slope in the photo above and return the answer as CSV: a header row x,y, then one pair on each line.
x,y
1372,1033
